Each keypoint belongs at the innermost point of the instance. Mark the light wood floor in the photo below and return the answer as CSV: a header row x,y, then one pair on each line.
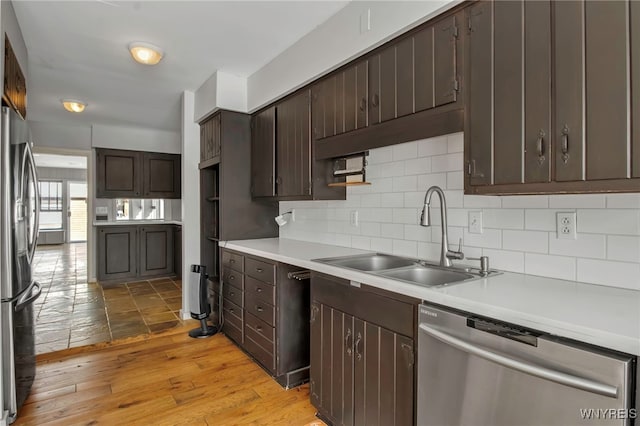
x,y
167,380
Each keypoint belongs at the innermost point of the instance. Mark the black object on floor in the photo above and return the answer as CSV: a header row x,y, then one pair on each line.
x,y
200,302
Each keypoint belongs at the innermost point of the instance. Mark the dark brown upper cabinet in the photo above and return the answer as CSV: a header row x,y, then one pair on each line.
x,y
136,174
210,140
547,99
15,84
263,149
161,175
407,89
293,146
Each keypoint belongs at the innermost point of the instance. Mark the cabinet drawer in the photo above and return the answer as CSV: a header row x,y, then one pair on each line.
x,y
232,312
260,290
233,261
263,356
233,332
260,309
233,278
258,327
233,294
259,270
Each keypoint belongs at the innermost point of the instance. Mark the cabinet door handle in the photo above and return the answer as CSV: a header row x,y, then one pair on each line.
x,y
232,294
540,147
258,290
232,311
357,347
346,342
363,104
259,308
258,270
232,277
565,144
258,328
375,100
232,261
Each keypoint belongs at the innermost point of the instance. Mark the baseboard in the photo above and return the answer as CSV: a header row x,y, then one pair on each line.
x,y
185,315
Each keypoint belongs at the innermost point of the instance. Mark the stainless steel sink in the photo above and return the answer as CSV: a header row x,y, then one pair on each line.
x,y
403,269
369,262
427,276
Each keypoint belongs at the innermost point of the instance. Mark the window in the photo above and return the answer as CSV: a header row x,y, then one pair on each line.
x,y
50,204
138,209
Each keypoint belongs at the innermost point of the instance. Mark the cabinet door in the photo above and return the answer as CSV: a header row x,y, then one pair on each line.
x,y
117,254
216,130
156,250
355,97
263,139
537,89
423,69
331,371
445,78
478,129
607,89
404,78
293,146
382,86
161,175
118,173
383,376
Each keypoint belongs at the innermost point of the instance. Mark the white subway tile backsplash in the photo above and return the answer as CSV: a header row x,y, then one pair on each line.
x,y
503,218
455,142
624,248
433,146
527,241
585,245
577,201
447,163
519,231
503,259
609,221
405,151
526,202
623,201
605,272
560,267
417,166
405,183
540,219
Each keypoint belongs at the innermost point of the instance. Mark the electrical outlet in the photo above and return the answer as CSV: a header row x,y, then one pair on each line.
x,y
475,222
566,225
353,218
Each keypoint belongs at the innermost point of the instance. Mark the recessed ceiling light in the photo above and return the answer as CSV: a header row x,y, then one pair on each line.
x,y
145,53
73,105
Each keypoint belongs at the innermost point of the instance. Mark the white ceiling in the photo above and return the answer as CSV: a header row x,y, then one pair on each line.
x,y
78,49
62,161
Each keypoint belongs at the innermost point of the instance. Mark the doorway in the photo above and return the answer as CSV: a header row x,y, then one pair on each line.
x,y
77,212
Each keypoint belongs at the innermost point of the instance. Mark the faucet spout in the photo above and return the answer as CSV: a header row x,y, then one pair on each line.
x,y
425,220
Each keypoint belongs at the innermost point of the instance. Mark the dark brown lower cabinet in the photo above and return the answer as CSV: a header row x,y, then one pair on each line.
x,y
156,250
362,354
129,252
266,313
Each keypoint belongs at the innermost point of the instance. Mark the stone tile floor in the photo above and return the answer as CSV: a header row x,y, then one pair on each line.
x,y
72,312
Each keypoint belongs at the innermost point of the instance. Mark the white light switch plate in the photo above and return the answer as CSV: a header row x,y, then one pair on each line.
x,y
566,225
475,222
102,211
353,218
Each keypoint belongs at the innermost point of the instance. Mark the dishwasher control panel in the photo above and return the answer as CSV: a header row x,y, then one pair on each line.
x,y
505,330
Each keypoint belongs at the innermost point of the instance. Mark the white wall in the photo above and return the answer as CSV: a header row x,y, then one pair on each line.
x,y
335,42
135,138
54,135
221,90
519,231
190,196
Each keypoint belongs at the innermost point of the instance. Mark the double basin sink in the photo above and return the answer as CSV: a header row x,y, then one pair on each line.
x,y
404,269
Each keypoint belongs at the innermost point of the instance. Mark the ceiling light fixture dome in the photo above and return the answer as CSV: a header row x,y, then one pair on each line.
x,y
145,53
73,105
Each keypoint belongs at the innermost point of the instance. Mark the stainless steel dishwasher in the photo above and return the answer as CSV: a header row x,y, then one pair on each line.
x,y
477,371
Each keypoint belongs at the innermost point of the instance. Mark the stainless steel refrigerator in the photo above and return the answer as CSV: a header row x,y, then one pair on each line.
x,y
19,211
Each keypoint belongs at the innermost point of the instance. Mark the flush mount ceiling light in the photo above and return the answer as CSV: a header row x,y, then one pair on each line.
x,y
73,105
145,53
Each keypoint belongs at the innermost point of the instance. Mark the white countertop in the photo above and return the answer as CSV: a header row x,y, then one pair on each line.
x,y
135,222
600,315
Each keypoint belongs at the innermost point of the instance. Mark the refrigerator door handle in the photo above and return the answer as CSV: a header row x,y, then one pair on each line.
x,y
29,296
36,221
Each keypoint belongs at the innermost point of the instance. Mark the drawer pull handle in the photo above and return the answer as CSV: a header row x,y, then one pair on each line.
x,y
232,294
259,328
232,311
259,308
258,270
259,290
232,277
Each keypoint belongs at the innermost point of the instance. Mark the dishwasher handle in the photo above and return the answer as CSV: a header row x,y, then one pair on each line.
x,y
523,366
